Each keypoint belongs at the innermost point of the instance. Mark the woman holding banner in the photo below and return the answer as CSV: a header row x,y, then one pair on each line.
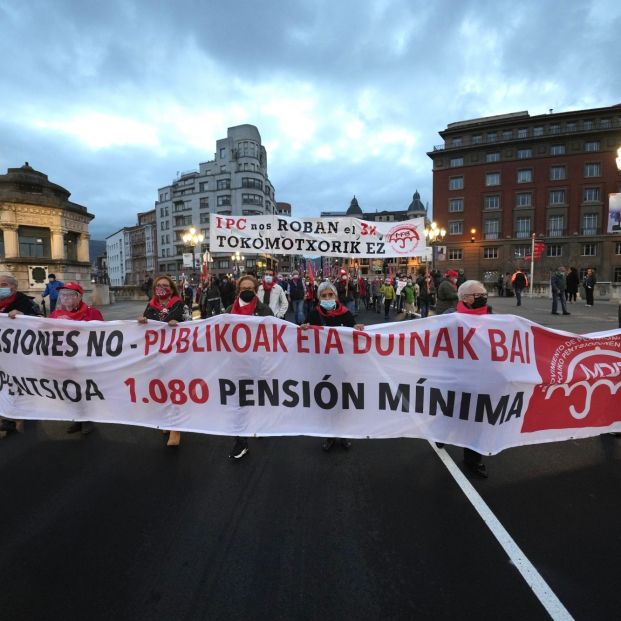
x,y
246,303
166,305
330,312
71,306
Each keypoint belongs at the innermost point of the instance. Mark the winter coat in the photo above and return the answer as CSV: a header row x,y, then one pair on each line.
x,y
447,297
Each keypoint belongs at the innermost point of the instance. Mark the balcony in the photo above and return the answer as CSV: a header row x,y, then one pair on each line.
x,y
522,235
557,232
591,231
491,235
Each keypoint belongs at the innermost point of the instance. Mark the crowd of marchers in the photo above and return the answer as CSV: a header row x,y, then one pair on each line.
x,y
329,302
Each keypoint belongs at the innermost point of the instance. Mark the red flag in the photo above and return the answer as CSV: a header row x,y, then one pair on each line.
x,y
311,276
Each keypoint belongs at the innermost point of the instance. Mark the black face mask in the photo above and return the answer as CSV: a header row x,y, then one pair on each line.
x,y
479,302
246,296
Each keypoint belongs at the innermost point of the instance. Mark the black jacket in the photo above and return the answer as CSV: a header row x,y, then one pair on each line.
x,y
24,304
315,318
178,311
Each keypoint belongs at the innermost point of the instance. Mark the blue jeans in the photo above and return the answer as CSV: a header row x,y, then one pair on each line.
x,y
518,296
298,311
558,295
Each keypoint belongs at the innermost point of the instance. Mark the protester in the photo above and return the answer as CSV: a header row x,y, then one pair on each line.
x,y
246,303
571,284
558,284
51,289
14,303
296,295
210,303
519,282
500,283
345,289
447,292
330,312
227,291
147,286
376,296
310,297
272,294
409,296
166,305
426,295
472,296
71,306
589,286
387,291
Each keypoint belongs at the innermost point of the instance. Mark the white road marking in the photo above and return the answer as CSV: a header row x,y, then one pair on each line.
x,y
533,578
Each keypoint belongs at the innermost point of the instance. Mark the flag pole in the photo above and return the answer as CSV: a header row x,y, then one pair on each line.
x,y
532,264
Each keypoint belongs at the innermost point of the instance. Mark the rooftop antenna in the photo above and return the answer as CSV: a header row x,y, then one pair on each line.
x,y
551,110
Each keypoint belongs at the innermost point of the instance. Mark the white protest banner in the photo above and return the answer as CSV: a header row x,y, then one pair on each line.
x,y
485,382
328,237
614,213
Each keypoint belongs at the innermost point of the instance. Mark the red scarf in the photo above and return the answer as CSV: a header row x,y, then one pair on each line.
x,y
159,307
4,303
336,312
247,309
267,287
80,314
462,308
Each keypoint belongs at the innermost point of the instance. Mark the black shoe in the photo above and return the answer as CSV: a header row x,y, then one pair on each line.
x,y
240,448
479,469
74,428
440,444
553,313
7,425
566,313
345,443
328,443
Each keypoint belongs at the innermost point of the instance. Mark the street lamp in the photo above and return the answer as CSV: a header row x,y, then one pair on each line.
x,y
193,238
434,235
237,259
473,233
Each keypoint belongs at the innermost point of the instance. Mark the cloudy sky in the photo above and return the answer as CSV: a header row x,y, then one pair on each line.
x,y
111,99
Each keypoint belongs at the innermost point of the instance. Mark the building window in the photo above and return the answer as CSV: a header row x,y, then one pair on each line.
x,y
455,254
522,132
202,186
617,274
522,228
491,229
592,169
557,149
591,195
204,203
525,175
222,152
492,157
521,251
570,127
557,197
492,202
250,182
456,204
457,142
34,242
252,199
557,173
589,224
492,136
223,201
507,134
589,250
604,123
537,131
223,264
555,128
524,199
477,139
524,154
456,183
204,218
2,243
587,125
456,161
456,227
592,147
492,179
556,226
490,253
618,248
554,250
223,184
71,246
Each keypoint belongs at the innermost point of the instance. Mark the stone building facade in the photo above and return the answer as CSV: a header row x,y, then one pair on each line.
x,y
41,231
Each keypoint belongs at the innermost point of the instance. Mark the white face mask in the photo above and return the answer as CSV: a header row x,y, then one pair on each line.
x,y
268,280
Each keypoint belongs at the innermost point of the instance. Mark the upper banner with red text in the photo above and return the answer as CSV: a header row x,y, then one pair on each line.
x,y
328,237
488,383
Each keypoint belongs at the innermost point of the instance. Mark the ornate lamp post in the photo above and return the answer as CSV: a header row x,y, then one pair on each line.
x,y
434,235
193,238
237,259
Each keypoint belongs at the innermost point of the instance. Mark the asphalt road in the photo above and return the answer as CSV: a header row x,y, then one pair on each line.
x,y
117,526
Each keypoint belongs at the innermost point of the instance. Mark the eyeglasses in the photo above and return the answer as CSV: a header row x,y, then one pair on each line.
x,y
68,294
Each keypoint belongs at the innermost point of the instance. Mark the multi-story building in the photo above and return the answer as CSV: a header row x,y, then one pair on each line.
x,y
499,180
234,183
115,256
396,265
41,231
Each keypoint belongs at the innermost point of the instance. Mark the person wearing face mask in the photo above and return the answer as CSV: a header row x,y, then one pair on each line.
x,y
330,312
248,303
409,297
447,292
387,291
472,296
14,303
272,294
71,306
345,289
166,305
296,294
310,297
